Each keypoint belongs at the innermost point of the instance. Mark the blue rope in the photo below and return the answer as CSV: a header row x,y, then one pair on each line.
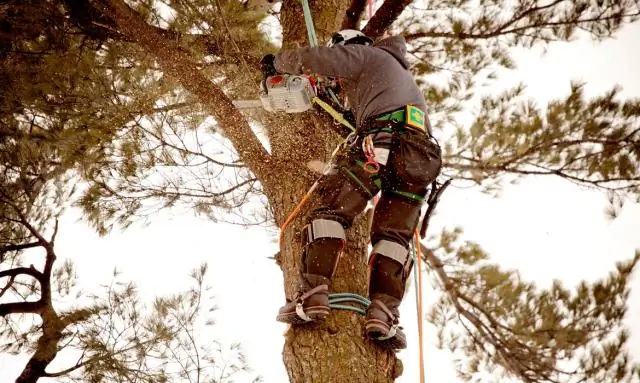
x,y
311,31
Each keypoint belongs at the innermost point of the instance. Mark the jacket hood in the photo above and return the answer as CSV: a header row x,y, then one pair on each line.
x,y
396,46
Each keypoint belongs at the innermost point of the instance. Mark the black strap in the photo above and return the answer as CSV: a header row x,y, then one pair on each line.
x,y
432,201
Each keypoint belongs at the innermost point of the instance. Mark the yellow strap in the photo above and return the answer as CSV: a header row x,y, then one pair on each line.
x,y
334,113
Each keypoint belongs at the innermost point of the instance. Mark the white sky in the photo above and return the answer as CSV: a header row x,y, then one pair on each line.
x,y
547,228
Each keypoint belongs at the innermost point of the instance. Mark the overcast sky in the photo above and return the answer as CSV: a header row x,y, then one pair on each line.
x,y
545,227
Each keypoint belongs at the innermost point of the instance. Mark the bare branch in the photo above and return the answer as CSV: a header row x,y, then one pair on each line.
x,y
79,364
12,273
18,247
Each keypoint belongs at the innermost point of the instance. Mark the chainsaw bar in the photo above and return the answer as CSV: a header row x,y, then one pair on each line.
x,y
247,104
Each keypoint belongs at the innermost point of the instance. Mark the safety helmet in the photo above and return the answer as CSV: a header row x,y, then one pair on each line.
x,y
349,36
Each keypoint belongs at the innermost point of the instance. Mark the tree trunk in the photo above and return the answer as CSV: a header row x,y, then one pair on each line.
x,y
335,351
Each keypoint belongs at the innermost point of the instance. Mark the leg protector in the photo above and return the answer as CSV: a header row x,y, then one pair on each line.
x,y
324,241
389,268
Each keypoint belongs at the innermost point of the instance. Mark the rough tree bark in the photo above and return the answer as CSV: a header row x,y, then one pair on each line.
x,y
335,351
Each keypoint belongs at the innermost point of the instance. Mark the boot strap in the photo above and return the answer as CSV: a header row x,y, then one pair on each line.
x,y
300,300
385,310
393,329
313,291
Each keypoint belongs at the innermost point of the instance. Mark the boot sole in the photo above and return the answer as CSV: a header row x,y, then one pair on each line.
x,y
376,328
316,313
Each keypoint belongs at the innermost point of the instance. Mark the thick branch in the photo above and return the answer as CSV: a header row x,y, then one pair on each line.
x,y
177,65
353,14
95,24
20,308
46,348
12,273
388,12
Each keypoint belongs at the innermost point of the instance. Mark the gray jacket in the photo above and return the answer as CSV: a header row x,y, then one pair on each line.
x,y
375,78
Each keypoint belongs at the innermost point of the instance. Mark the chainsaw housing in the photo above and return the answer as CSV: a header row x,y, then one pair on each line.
x,y
288,93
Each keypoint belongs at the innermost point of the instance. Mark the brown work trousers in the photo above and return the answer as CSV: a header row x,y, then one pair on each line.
x,y
413,163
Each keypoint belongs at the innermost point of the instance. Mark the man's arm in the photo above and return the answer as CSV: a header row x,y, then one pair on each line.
x,y
340,61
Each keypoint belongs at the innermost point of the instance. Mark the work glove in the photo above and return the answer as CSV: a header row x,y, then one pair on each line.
x,y
267,67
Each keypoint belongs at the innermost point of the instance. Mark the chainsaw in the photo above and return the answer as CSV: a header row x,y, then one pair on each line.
x,y
297,93
284,93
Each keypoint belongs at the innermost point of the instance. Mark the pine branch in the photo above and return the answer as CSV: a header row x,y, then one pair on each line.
x,y
530,22
177,65
98,25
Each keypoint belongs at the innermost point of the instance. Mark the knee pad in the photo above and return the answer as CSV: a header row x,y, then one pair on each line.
x,y
389,268
324,241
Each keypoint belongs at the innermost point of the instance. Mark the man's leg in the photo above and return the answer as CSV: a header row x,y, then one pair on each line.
x,y
344,194
413,167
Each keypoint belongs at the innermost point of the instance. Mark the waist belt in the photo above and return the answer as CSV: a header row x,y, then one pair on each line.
x,y
410,116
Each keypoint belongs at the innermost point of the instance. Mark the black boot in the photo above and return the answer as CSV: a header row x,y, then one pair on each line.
x,y
324,240
382,322
387,282
310,304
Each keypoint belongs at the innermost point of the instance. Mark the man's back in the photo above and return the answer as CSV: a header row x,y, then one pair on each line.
x,y
375,78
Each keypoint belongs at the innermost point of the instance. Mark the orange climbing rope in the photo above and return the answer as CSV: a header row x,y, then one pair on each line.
x,y
295,212
419,308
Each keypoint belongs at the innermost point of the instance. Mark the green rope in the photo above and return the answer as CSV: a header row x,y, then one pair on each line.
x,y
311,31
336,298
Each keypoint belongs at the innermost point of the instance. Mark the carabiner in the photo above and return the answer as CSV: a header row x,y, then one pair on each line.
x,y
371,166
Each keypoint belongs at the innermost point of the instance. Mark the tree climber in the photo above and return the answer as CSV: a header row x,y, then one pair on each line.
x,y
394,152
